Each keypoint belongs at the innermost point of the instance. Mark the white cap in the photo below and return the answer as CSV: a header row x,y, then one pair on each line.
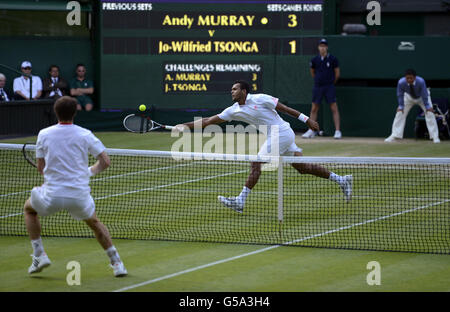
x,y
26,64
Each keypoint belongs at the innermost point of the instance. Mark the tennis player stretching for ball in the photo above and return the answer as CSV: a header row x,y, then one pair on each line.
x,y
261,110
62,157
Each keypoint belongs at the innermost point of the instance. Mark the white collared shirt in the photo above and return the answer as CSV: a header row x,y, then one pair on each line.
x,y
258,110
54,81
23,85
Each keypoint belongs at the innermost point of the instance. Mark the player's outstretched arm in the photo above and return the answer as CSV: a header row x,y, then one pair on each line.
x,y
201,123
296,114
101,164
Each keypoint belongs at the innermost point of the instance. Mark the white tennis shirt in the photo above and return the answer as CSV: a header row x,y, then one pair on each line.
x,y
258,110
65,148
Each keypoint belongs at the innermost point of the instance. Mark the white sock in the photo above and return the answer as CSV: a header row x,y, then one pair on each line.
x,y
336,178
113,254
38,247
245,192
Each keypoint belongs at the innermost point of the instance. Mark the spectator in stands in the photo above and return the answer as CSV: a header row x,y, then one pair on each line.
x,y
81,88
54,86
22,84
4,97
412,90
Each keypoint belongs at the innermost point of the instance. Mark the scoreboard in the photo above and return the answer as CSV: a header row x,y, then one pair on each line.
x,y
187,54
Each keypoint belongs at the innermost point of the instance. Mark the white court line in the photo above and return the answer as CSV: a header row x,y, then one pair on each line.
x,y
151,188
11,215
16,193
311,197
142,171
113,177
171,184
273,247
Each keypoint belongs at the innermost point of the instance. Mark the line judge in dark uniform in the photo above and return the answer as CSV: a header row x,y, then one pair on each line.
x,y
325,71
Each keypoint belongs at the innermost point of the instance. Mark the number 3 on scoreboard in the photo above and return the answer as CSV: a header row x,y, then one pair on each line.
x,y
292,20
254,87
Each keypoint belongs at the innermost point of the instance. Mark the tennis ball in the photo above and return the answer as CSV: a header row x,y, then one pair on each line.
x,y
142,107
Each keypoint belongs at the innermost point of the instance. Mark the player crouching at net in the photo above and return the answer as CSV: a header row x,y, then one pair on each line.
x,y
261,110
62,157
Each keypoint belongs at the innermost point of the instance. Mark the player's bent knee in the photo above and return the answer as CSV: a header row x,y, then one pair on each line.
x,y
93,222
27,208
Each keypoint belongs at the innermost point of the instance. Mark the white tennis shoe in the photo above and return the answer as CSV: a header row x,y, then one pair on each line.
x,y
309,134
233,203
337,134
119,269
347,186
389,139
39,263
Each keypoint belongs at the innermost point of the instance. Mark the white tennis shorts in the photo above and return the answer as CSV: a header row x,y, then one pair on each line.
x,y
285,140
44,205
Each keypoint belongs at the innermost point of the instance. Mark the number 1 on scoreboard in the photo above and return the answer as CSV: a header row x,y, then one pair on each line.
x,y
293,45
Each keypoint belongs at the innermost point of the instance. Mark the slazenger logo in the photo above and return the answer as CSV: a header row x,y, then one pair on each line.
x,y
406,46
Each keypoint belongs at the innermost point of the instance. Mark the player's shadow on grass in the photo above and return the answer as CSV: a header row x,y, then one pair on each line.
x,y
48,278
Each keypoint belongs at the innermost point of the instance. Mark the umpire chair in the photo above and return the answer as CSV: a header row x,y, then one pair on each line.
x,y
441,111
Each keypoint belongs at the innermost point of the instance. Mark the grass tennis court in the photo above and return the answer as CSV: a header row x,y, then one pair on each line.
x,y
191,266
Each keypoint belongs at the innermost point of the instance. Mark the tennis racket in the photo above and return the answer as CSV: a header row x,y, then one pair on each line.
x,y
142,124
29,154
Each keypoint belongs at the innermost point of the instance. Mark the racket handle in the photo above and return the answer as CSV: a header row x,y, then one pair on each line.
x,y
168,127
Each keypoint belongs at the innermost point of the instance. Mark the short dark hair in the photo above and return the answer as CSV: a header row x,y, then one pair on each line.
x,y
410,71
53,66
244,85
80,64
65,108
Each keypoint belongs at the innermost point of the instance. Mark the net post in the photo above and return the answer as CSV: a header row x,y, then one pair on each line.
x,y
280,196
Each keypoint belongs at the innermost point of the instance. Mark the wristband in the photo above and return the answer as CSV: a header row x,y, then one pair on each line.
x,y
90,171
303,118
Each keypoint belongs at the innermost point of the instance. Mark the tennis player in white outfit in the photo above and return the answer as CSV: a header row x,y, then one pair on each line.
x,y
261,110
62,157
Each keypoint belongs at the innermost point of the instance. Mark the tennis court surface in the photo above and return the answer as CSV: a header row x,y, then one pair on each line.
x,y
398,204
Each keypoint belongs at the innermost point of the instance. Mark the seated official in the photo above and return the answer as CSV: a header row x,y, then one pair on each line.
x,y
54,86
21,84
4,96
81,88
